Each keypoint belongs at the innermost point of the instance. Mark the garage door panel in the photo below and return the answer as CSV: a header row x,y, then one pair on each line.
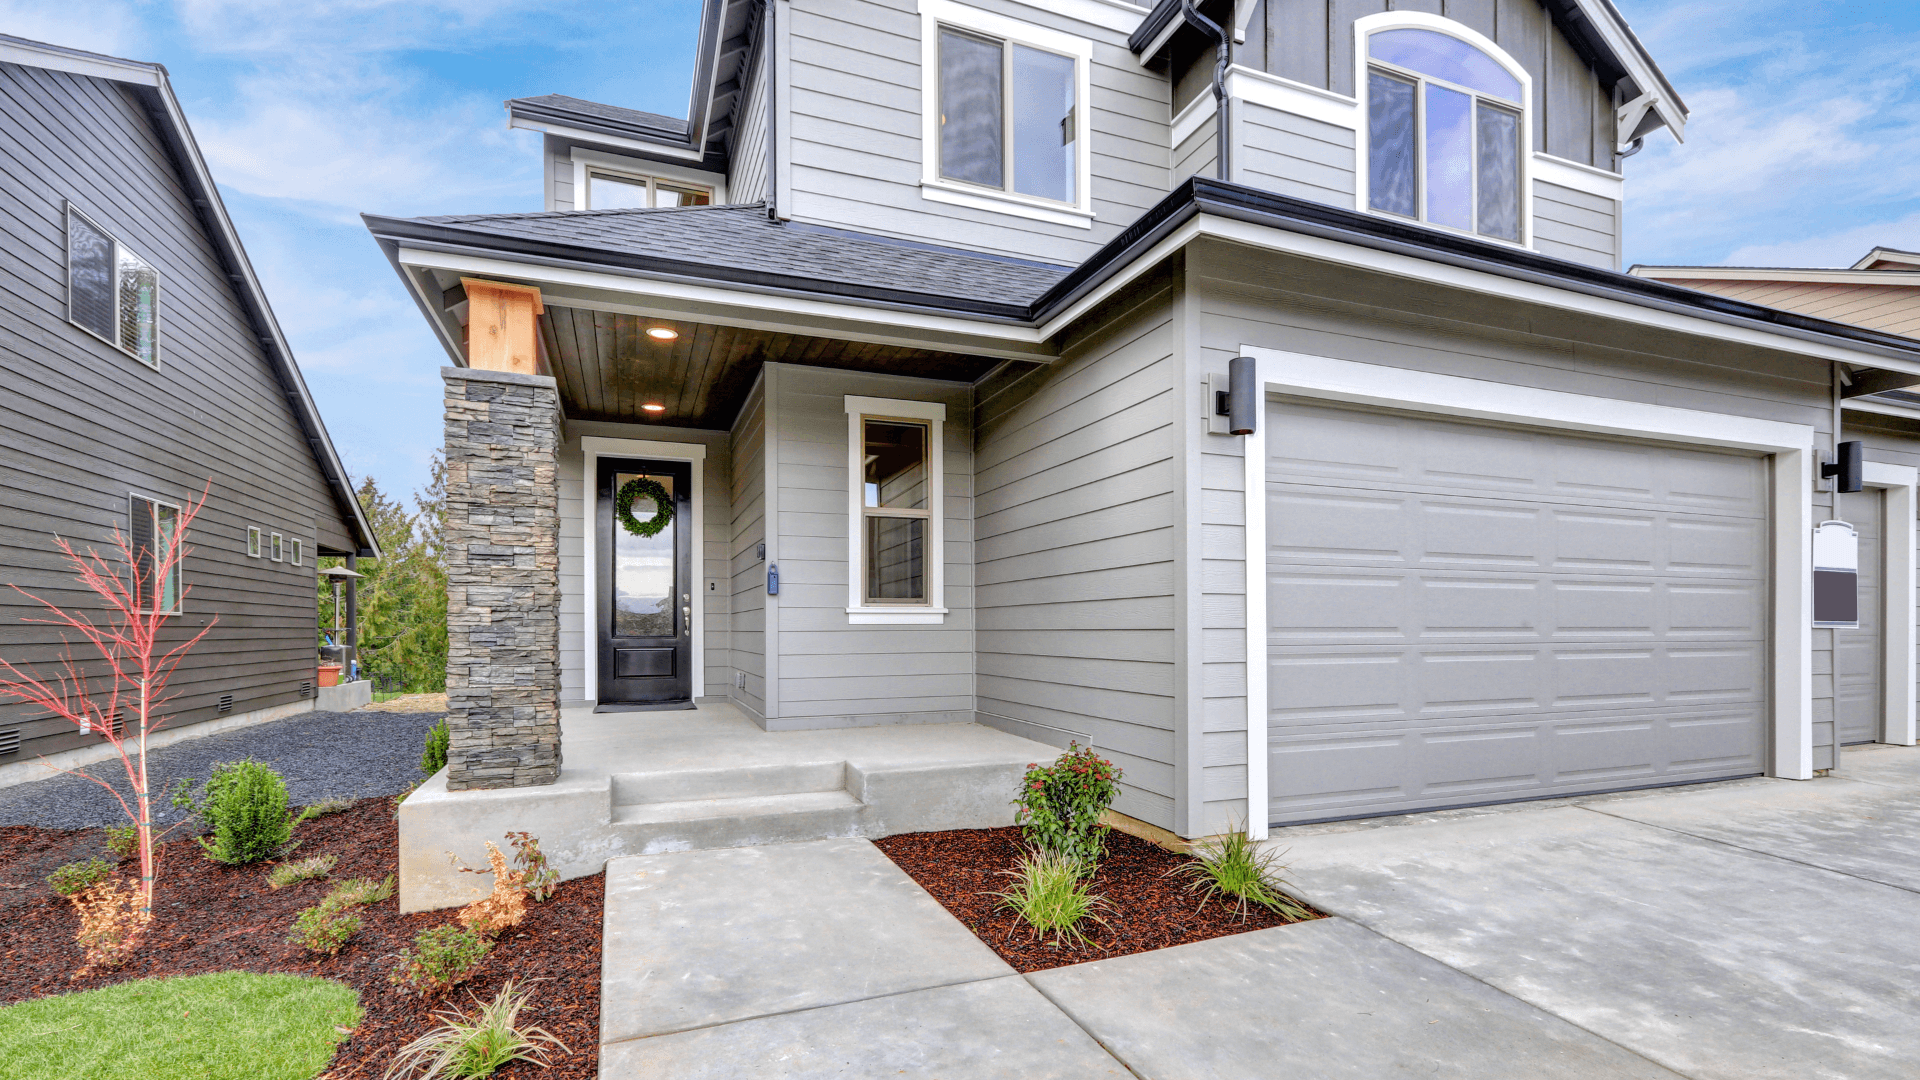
x,y
1393,605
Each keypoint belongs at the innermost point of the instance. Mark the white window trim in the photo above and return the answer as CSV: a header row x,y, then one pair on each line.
x,y
179,569
66,260
254,550
1401,20
935,609
936,13
592,449
1790,577
1897,483
639,169
293,551
275,550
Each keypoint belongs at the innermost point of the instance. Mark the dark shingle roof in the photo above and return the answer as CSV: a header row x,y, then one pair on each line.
x,y
611,119
743,243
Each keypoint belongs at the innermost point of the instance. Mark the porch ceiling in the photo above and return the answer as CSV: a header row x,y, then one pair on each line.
x,y
608,367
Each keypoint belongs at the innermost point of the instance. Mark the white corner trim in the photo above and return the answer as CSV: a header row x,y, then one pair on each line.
x,y
934,13
1191,118
1274,92
1898,483
1572,174
592,449
935,609
1791,446
584,159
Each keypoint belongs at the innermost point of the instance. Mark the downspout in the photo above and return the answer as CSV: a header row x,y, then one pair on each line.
x,y
1190,11
770,41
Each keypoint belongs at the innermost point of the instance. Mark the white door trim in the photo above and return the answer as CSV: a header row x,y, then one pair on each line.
x,y
1791,446
593,448
1897,483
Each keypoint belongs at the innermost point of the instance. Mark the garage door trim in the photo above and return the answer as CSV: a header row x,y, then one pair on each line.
x,y
1790,445
1897,592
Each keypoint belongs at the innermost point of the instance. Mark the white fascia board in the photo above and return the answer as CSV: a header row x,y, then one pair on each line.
x,y
1879,408
1579,177
1620,41
1288,96
1145,56
655,295
600,139
1787,275
99,67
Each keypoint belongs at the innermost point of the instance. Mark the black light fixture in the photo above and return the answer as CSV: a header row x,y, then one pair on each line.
x,y
1243,396
1846,468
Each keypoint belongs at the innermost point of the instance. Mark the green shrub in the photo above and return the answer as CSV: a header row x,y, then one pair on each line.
x,y
1236,871
1059,806
434,758
441,959
76,877
322,809
123,841
355,891
325,927
476,1047
244,806
1050,893
289,873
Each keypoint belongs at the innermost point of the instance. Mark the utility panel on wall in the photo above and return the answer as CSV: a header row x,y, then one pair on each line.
x,y
1836,572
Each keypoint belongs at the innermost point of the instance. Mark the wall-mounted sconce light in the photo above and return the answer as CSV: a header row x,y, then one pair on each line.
x,y
1846,469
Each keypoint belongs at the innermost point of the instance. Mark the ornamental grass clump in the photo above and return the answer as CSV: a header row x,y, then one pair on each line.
x,y
476,1046
1234,870
441,959
1050,893
244,806
434,757
360,891
1060,805
292,873
322,809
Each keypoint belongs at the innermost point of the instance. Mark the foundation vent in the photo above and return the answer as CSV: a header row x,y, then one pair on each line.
x,y
306,688
226,704
9,741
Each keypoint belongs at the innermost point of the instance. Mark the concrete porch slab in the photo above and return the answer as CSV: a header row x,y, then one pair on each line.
x,y
999,1029
699,938
1328,999
620,769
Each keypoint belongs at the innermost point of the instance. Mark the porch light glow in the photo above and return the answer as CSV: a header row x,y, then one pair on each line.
x,y
654,406
662,333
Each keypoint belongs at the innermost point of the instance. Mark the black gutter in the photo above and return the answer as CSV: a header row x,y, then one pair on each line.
x,y
1150,27
523,108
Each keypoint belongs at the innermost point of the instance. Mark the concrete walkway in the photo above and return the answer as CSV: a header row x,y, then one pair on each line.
x,y
1755,929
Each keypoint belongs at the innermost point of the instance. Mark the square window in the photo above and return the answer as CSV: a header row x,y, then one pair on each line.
x,y
253,542
112,293
894,497
274,548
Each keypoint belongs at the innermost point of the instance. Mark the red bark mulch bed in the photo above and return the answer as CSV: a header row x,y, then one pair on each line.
x,y
963,868
209,917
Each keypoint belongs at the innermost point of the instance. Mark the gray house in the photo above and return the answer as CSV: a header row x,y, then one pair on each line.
x,y
924,320
142,366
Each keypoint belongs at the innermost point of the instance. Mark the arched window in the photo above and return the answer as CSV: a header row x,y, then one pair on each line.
x,y
1445,128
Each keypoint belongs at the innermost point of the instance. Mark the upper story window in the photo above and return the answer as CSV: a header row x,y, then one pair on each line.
x,y
112,293
1446,132
1006,124
894,521
616,191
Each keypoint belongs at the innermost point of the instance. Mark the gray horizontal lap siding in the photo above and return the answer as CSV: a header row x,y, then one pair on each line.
x,y
87,425
1293,155
1575,225
746,570
832,673
1198,154
856,123
1351,316
1076,479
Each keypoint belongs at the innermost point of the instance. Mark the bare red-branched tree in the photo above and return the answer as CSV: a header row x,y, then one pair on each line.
x,y
133,668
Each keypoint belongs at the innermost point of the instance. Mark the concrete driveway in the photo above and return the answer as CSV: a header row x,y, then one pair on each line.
x,y
1756,929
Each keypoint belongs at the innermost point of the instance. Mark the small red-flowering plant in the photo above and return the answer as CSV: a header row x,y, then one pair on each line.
x,y
1060,805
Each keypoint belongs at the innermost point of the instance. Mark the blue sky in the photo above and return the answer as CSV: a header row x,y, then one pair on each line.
x,y
1806,126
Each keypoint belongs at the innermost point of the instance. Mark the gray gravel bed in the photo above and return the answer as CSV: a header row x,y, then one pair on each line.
x,y
321,755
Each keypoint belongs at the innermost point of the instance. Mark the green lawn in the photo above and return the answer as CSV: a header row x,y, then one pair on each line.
x,y
233,1024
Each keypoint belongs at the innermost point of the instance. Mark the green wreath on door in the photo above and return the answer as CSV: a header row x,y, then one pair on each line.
x,y
646,487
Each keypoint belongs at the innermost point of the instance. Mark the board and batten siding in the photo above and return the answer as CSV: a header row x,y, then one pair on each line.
x,y
576,509
1077,504
1400,323
88,425
1312,42
1294,155
830,672
853,145
746,570
748,180
1576,225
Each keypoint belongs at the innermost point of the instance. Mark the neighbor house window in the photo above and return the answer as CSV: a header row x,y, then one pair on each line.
x,y
253,542
153,530
274,551
112,293
1005,111
1446,125
618,191
296,552
894,521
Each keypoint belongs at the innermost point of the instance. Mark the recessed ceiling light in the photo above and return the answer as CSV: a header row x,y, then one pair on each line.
x,y
654,406
662,333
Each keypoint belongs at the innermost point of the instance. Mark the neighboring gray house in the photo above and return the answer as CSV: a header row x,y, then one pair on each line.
x,y
142,366
925,315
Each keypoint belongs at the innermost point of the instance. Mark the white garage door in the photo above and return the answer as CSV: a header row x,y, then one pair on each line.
x,y
1463,613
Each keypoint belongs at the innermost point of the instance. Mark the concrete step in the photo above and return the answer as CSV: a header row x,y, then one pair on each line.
x,y
730,782
698,824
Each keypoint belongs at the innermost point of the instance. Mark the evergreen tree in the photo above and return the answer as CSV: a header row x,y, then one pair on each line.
x,y
403,597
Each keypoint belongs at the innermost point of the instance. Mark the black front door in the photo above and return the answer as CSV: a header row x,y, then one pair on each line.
x,y
644,583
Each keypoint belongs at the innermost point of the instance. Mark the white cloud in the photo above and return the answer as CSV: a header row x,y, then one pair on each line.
x,y
1843,248
101,26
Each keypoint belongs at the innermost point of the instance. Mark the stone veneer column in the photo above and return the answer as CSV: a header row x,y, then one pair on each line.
x,y
503,579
